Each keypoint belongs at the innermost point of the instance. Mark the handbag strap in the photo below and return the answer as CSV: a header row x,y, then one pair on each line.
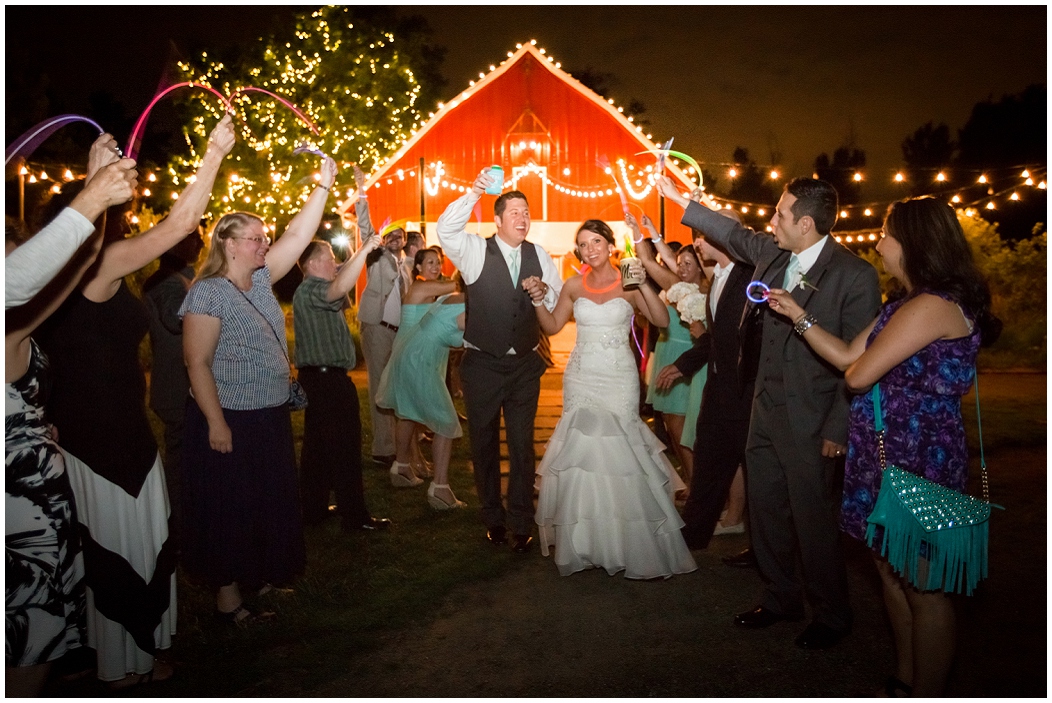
x,y
878,425
249,301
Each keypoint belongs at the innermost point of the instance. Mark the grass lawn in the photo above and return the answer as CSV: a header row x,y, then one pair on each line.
x,y
363,591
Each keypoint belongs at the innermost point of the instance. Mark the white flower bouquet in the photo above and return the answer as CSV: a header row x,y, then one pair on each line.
x,y
691,308
681,290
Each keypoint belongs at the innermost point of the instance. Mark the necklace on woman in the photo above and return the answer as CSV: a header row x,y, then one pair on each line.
x,y
584,283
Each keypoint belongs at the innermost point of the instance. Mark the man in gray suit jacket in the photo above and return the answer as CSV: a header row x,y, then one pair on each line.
x,y
798,428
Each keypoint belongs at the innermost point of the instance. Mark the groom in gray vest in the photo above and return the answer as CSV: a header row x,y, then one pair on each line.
x,y
501,370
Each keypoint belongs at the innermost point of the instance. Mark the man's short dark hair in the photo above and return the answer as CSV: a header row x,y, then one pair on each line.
x,y
313,248
411,237
502,201
815,198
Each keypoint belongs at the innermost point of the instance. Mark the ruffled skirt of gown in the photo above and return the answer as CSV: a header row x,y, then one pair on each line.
x,y
606,488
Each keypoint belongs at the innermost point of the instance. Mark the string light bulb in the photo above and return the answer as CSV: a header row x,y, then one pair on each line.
x,y
857,177
774,175
940,177
67,175
982,178
899,178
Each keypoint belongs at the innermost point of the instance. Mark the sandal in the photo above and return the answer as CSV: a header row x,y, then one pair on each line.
x,y
399,478
895,686
135,680
242,616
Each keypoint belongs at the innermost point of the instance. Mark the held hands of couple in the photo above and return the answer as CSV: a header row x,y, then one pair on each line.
x,y
536,289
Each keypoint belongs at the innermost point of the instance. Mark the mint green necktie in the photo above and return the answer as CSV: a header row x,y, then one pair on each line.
x,y
790,272
514,266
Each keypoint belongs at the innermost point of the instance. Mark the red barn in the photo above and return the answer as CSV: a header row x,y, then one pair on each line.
x,y
549,133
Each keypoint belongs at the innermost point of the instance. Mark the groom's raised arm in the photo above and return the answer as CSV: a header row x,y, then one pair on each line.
x,y
467,251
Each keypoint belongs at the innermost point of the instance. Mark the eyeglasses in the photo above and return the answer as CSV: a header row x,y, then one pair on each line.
x,y
258,240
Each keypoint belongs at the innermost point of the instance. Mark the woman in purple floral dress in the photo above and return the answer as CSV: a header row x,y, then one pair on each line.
x,y
921,349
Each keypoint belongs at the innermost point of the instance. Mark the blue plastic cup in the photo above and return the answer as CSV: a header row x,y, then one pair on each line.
x,y
497,174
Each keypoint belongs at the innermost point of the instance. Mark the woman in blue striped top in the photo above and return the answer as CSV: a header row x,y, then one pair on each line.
x,y
242,512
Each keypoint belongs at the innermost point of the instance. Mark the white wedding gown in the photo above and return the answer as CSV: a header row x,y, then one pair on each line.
x,y
606,488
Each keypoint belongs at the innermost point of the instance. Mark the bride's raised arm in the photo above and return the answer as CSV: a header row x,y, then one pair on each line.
x,y
646,301
551,322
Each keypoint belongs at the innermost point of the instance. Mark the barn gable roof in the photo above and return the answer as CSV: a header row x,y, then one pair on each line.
x,y
486,82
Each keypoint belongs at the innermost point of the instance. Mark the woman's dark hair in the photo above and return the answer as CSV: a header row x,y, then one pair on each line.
x,y
598,227
418,259
936,256
689,250
675,247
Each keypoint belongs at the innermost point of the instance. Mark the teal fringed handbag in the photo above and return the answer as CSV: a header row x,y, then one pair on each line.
x,y
915,511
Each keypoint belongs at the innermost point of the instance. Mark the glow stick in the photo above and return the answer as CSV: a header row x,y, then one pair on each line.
x,y
305,149
283,101
133,140
604,163
664,153
762,296
679,155
38,134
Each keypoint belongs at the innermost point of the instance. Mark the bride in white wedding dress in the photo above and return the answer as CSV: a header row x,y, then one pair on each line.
x,y
606,488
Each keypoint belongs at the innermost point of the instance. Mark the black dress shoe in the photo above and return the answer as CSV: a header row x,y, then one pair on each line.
x,y
743,560
384,461
521,543
497,535
373,523
819,636
694,541
759,617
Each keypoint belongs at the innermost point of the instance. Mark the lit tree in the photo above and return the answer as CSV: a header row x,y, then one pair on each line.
x,y
357,84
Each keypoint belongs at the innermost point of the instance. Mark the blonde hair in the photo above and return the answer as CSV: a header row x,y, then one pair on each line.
x,y
229,226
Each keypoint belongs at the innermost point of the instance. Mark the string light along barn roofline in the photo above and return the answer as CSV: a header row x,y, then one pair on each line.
x,y
495,72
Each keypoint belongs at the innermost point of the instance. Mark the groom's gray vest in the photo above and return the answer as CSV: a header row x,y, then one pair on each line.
x,y
500,316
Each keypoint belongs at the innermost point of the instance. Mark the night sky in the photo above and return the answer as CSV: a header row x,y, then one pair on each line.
x,y
795,81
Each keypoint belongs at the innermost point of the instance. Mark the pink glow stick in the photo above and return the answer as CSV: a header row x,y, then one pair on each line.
x,y
283,101
133,140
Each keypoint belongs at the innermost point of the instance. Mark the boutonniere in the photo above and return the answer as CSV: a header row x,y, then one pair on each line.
x,y
806,283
